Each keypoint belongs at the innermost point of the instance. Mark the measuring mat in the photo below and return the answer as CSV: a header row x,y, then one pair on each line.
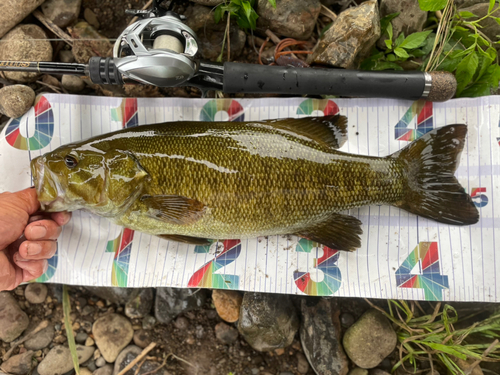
x,y
402,256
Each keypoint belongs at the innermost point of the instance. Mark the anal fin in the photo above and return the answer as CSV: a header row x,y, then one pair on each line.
x,y
338,232
185,239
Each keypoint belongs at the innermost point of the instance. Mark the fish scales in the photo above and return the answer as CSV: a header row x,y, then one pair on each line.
x,y
191,181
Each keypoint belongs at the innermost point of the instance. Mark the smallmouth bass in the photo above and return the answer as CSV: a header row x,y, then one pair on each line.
x,y
194,181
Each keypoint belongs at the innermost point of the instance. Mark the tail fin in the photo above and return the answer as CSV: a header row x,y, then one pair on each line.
x,y
432,190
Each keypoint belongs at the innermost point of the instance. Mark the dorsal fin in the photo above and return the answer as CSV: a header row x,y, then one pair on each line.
x,y
330,131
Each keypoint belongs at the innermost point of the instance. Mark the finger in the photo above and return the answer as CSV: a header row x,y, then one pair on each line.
x,y
31,268
27,200
42,230
38,249
61,218
10,276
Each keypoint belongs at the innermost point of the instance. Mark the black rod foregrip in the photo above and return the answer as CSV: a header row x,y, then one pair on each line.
x,y
253,78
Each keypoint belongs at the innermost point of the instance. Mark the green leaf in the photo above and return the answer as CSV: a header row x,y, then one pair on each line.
x,y
325,29
247,8
465,14
391,57
218,12
465,71
443,348
386,21
432,5
389,32
401,53
492,4
449,64
388,43
415,40
399,40
485,60
418,53
385,65
497,19
273,3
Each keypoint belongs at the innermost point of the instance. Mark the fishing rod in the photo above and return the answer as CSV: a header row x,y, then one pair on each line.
x,y
160,50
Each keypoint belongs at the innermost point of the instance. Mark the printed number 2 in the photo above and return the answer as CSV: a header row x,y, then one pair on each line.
x,y
479,199
421,270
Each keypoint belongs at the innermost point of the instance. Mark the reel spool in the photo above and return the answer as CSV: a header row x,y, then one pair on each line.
x,y
157,51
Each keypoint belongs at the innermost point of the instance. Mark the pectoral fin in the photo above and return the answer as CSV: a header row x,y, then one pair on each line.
x,y
328,130
338,232
174,209
186,239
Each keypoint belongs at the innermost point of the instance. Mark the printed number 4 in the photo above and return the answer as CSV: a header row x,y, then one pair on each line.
x,y
428,276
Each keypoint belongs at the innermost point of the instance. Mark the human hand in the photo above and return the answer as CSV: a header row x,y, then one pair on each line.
x,y
27,238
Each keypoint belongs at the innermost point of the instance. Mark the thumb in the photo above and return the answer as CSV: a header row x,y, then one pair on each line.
x,y
26,200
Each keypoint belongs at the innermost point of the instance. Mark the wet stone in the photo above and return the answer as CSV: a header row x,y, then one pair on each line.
x,y
142,338
350,39
25,43
267,322
15,101
61,12
41,339
227,303
140,305
112,333
368,341
320,337
19,364
291,18
170,302
58,361
127,355
35,293
13,320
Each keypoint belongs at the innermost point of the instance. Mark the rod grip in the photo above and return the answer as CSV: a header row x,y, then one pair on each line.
x,y
253,78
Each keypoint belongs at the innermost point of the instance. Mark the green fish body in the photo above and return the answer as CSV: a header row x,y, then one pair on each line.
x,y
193,181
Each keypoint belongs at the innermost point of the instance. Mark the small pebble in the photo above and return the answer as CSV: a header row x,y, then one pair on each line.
x,y
88,310
302,364
148,322
181,323
100,362
91,18
279,351
89,341
142,338
75,326
66,56
199,331
190,341
81,337
73,84
346,319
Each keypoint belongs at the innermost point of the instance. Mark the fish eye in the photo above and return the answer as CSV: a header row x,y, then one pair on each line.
x,y
70,161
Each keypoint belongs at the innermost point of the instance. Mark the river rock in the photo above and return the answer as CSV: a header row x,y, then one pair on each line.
x,y
302,364
85,371
291,18
58,361
35,293
72,83
105,370
19,364
14,11
358,371
368,341
25,43
142,338
127,355
225,333
13,320
411,18
140,305
267,322
112,333
62,12
350,39
320,337
41,339
489,26
227,303
117,295
93,43
170,302
15,101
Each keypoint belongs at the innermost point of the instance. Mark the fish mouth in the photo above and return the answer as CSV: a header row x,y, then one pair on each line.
x,y
48,190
